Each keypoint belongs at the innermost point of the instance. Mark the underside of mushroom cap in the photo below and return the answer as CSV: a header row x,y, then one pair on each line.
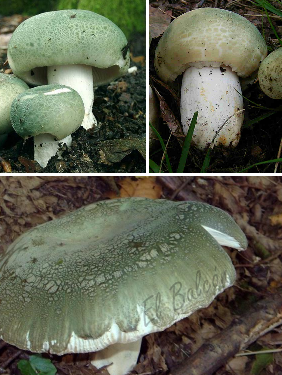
x,y
209,37
68,37
112,272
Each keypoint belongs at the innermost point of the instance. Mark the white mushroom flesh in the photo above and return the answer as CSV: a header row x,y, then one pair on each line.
x,y
80,78
46,146
215,93
121,358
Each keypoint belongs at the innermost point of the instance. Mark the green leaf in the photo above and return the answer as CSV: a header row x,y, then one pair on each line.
x,y
265,4
262,162
187,143
25,367
37,365
261,362
154,166
206,162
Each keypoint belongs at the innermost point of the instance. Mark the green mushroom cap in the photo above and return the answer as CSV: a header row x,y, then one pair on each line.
x,y
112,272
10,88
68,37
270,74
53,109
209,37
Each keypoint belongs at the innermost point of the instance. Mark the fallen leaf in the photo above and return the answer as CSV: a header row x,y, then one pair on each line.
x,y
159,21
132,187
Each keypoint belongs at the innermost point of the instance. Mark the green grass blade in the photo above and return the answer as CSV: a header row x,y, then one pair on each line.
x,y
163,147
262,162
187,144
258,119
206,162
265,4
154,166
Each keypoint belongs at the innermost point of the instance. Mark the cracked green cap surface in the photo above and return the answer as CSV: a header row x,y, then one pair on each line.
x,y
68,37
50,109
112,272
209,37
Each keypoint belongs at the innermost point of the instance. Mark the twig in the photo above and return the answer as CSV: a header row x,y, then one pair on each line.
x,y
278,156
165,152
9,360
261,318
175,183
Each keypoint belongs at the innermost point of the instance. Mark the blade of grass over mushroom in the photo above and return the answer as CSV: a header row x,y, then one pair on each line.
x,y
187,143
163,147
261,163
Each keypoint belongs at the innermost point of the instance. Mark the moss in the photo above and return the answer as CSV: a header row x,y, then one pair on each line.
x,y
26,7
129,15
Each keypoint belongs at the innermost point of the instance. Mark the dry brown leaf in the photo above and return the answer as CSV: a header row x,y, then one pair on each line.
x,y
159,21
238,365
276,219
146,187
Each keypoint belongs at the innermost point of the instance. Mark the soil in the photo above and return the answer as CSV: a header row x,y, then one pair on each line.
x,y
261,132
117,145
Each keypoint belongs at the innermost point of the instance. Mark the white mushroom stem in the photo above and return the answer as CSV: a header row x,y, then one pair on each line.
x,y
46,146
122,356
80,78
216,94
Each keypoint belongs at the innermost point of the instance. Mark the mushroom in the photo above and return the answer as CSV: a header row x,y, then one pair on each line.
x,y
211,47
270,74
109,273
10,88
76,48
49,114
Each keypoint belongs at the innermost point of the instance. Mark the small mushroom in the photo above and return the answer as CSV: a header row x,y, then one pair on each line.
x,y
76,48
211,47
50,114
102,277
270,74
10,88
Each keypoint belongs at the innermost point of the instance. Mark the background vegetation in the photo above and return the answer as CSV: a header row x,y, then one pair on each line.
x,y
129,15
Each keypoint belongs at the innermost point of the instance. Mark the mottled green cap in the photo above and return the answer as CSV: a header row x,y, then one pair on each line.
x,y
10,87
270,74
53,109
112,272
68,37
209,37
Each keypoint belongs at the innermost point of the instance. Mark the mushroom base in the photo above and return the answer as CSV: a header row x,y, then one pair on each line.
x,y
80,78
215,93
45,146
122,356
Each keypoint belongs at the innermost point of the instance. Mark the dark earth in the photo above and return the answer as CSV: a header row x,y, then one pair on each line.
x,y
261,132
117,145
